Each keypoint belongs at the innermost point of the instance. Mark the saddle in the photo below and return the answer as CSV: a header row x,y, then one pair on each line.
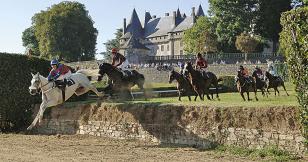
x,y
61,84
127,73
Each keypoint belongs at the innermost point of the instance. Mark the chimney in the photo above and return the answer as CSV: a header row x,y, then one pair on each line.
x,y
174,18
166,14
193,14
124,26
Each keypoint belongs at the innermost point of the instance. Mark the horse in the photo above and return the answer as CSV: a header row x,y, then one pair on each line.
x,y
274,82
245,86
52,96
122,83
183,85
199,81
260,82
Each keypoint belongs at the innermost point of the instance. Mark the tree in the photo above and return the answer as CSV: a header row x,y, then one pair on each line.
x,y
200,38
267,22
113,43
230,19
65,31
293,40
29,41
246,43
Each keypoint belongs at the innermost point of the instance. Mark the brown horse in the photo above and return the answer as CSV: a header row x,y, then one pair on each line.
x,y
121,83
260,83
243,85
275,82
183,85
200,83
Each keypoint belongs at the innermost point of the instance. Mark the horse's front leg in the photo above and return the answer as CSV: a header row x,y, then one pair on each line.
x,y
38,116
242,94
179,95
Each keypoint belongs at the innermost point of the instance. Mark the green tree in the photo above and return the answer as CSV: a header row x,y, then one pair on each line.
x,y
293,40
246,43
65,31
231,18
113,43
267,22
29,40
200,38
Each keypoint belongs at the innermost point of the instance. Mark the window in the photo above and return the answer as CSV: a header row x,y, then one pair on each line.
x,y
167,47
181,52
162,48
181,43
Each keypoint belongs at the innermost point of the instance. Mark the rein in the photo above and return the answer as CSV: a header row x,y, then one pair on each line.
x,y
41,86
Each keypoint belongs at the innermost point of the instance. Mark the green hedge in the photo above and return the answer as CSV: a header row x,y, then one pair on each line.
x,y
294,41
15,101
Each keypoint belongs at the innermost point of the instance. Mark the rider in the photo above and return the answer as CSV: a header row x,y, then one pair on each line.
x,y
201,64
118,60
245,73
58,73
258,72
272,70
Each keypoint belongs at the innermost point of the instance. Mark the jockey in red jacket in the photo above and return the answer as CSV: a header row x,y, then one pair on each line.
x,y
201,65
58,71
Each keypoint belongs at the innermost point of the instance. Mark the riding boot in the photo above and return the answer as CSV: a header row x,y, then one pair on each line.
x,y
61,85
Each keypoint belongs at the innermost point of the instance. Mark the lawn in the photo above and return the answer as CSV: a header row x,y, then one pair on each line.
x,y
234,99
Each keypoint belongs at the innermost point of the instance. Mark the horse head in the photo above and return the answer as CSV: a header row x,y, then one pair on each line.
x,y
172,76
35,84
188,68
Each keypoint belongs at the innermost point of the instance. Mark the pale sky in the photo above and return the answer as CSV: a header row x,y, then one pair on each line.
x,y
15,16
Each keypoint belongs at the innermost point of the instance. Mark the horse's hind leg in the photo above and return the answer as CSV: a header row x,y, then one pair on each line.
x,y
248,96
93,89
285,89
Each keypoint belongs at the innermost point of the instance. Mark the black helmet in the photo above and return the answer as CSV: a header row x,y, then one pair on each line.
x,y
242,67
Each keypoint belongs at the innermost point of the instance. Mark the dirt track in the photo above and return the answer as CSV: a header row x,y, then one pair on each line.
x,y
89,148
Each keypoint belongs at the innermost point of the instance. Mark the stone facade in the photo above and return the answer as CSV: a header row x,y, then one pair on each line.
x,y
201,127
156,36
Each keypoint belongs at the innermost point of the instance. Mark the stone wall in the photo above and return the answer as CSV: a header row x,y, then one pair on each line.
x,y
196,126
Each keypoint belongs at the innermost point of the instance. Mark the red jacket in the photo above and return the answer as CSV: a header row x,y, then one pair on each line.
x,y
201,63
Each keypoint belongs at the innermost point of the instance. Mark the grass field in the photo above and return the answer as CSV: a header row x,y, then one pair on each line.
x,y
234,99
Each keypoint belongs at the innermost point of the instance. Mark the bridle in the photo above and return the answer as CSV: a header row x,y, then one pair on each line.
x,y
40,86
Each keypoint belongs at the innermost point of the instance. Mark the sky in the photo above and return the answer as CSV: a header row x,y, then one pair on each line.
x,y
15,16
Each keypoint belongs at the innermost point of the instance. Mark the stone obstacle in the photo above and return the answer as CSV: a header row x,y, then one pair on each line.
x,y
198,126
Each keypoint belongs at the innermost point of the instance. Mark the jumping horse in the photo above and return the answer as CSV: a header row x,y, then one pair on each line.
x,y
122,81
52,95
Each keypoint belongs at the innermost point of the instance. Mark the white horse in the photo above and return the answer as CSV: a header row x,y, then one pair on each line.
x,y
52,96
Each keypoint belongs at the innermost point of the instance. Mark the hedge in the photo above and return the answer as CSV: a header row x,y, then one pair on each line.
x,y
294,41
15,101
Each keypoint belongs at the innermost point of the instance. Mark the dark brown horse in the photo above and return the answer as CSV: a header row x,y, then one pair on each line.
x,y
260,82
275,82
246,85
121,83
183,85
200,83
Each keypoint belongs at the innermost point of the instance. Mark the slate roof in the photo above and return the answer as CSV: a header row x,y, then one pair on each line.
x,y
200,11
153,27
134,43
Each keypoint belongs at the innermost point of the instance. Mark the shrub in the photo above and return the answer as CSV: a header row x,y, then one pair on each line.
x,y
15,101
294,41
